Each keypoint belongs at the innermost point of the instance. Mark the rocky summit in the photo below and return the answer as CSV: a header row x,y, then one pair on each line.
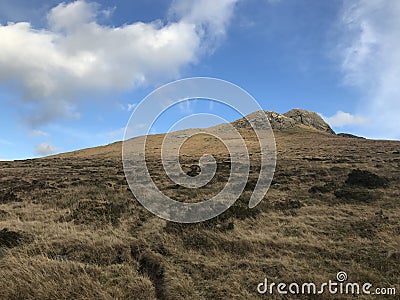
x,y
290,119
308,118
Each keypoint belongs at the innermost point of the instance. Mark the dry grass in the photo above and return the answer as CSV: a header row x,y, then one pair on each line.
x,y
83,235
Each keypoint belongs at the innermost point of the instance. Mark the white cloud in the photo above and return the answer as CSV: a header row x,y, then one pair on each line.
x,y
131,107
46,149
36,133
70,17
210,17
369,53
54,66
341,119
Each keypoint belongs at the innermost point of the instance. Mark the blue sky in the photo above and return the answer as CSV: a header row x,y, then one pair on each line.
x,y
71,72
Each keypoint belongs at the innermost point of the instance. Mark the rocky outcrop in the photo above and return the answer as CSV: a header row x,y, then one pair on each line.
x,y
287,120
279,121
308,118
276,120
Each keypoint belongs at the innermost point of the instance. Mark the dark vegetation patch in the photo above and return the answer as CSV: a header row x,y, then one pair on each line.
x,y
364,178
10,239
8,196
3,214
240,209
15,185
194,170
251,184
356,195
359,185
315,189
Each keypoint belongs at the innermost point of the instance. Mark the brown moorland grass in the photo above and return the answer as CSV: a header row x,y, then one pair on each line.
x,y
71,229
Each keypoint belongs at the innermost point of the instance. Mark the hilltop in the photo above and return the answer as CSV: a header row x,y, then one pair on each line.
x,y
293,118
291,121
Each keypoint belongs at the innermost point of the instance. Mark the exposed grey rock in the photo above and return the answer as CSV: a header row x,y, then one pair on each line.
x,y
279,121
287,120
308,118
254,118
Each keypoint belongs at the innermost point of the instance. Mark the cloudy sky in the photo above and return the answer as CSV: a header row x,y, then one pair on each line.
x,y
72,72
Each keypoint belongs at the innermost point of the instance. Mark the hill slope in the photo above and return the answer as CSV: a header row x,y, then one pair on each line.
x,y
70,228
301,120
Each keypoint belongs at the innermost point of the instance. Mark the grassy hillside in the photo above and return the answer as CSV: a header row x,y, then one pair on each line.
x,y
71,229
